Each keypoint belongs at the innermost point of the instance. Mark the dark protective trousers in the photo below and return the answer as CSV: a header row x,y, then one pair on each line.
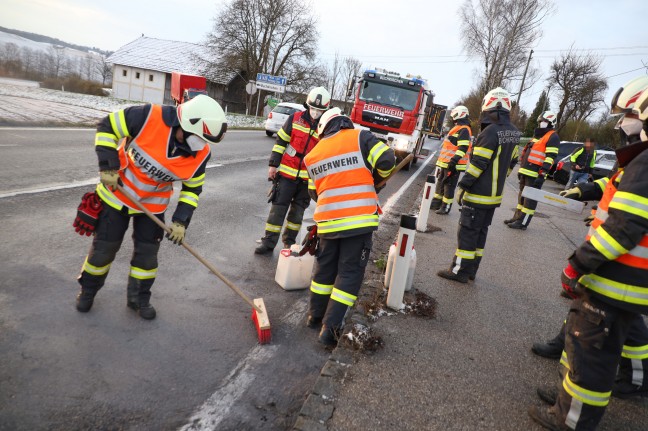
x,y
109,234
339,271
595,335
526,207
445,188
292,198
471,238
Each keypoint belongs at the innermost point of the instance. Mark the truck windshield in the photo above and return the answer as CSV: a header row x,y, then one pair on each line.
x,y
384,94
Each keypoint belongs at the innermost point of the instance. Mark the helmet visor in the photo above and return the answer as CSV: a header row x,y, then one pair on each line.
x,y
216,138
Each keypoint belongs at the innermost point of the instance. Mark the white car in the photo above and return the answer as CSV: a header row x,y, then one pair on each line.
x,y
278,116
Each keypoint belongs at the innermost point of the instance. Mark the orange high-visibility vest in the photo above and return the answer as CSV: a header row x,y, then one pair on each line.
x,y
302,141
537,155
146,171
622,277
448,149
347,197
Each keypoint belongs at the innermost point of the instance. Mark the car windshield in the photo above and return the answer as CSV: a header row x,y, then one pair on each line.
x,y
607,160
387,95
283,110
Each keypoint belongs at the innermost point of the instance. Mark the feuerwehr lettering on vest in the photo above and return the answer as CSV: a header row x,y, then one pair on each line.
x,y
508,136
334,164
152,171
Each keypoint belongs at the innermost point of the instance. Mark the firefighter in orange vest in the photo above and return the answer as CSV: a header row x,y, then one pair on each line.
x,y
608,276
289,194
145,149
343,170
535,161
452,160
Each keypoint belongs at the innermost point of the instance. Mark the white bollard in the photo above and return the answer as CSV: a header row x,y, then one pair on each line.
x,y
391,257
402,262
410,271
428,194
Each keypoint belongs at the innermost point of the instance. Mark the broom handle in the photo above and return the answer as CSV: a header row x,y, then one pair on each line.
x,y
400,166
190,249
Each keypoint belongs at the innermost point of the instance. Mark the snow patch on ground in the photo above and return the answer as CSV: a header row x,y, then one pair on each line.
x,y
24,102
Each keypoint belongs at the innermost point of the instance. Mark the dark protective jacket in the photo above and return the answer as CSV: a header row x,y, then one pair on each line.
x,y
614,257
539,153
295,139
491,159
128,123
583,158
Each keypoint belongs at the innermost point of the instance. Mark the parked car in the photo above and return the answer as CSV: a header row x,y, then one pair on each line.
x,y
603,166
564,149
278,116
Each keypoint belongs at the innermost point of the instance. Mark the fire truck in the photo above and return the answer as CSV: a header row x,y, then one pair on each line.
x,y
398,110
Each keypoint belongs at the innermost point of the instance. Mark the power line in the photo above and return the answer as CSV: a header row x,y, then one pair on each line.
x,y
623,73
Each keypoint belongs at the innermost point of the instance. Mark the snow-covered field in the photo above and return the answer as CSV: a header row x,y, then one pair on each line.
x,y
22,102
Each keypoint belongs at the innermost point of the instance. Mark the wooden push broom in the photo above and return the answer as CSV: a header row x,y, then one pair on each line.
x,y
259,313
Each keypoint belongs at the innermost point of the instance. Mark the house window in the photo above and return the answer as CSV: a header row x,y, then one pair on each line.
x,y
137,74
150,78
124,72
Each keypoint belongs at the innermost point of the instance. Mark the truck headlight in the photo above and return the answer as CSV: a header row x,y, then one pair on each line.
x,y
400,144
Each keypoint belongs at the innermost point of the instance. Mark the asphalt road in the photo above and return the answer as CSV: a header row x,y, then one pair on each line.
x,y
198,364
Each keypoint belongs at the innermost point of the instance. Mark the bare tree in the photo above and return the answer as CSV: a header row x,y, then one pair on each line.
x,y
103,69
255,36
501,33
334,72
580,86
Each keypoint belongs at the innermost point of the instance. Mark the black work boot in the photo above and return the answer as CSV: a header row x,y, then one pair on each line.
x,y
516,215
84,300
145,311
624,389
329,336
517,224
313,322
138,299
435,204
449,275
444,210
552,349
548,394
546,416
263,249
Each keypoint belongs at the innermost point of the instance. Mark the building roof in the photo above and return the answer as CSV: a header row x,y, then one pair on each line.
x,y
164,56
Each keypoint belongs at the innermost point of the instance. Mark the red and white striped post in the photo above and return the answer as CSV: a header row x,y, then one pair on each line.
x,y
428,194
401,266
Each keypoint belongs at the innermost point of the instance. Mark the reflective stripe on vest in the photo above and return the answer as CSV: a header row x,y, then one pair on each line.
x,y
146,171
302,141
637,257
537,154
333,164
448,150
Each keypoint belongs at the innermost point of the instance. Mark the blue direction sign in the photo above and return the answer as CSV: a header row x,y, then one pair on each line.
x,y
270,79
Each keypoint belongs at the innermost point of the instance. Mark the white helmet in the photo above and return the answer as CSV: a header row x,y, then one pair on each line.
x,y
497,98
203,117
459,112
548,116
326,117
319,98
640,107
624,99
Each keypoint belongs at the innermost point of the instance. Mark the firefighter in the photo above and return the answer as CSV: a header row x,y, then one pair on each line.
x,y
608,274
289,195
452,160
535,161
491,159
343,169
145,149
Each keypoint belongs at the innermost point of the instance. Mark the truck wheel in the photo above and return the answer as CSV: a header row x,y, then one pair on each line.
x,y
269,134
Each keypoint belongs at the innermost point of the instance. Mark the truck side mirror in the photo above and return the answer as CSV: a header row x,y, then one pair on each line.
x,y
350,86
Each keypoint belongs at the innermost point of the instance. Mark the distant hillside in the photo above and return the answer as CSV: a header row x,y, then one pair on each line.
x,y
46,39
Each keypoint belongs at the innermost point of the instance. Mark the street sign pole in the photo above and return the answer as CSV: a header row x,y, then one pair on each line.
x,y
257,110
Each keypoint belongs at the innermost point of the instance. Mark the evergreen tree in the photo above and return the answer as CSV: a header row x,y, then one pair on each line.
x,y
541,106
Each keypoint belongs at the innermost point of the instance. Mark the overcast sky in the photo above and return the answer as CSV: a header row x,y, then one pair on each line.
x,y
421,37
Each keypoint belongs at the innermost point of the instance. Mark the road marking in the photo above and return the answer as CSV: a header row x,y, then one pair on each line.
x,y
8,145
219,404
91,181
393,198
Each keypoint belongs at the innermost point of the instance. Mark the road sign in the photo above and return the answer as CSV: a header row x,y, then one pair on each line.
x,y
270,87
251,87
270,79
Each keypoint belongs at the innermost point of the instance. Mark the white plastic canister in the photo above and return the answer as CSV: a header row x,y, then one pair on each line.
x,y
294,271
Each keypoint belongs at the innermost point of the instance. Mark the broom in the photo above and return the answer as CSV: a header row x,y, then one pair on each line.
x,y
259,313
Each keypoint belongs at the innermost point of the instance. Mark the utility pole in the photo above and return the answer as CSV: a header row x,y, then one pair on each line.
x,y
517,102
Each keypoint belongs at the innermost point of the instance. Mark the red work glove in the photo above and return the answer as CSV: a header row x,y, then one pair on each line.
x,y
569,279
310,242
87,214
